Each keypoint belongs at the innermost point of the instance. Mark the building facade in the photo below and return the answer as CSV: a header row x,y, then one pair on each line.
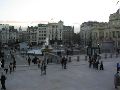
x,y
55,32
8,34
105,34
4,33
68,32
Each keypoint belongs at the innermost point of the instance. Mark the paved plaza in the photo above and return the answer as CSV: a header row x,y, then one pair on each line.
x,y
77,76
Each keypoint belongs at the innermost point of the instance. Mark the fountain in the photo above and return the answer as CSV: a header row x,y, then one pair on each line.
x,y
46,47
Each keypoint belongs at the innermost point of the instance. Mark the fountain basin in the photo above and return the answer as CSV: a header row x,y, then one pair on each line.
x,y
35,52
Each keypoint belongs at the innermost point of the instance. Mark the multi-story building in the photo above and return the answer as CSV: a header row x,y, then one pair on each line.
x,y
8,34
53,31
4,33
68,32
32,31
37,34
107,34
41,33
13,35
23,35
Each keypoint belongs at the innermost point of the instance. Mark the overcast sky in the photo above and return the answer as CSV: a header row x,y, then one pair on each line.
x,y
72,12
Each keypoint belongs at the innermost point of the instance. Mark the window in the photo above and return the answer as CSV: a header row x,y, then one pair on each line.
x,y
52,26
118,34
106,34
101,35
113,34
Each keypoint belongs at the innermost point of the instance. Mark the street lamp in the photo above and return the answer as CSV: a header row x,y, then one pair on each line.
x,y
99,47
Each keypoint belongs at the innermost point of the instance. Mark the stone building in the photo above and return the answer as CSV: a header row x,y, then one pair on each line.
x,y
4,33
41,33
105,34
53,31
68,32
13,35
32,31
8,34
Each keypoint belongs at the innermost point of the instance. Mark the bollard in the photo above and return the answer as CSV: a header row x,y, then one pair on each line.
x,y
78,58
69,59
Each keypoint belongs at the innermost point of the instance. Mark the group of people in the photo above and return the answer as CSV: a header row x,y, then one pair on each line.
x,y
94,61
2,65
41,64
11,67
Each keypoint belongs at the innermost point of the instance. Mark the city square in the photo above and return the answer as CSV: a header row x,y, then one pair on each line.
x,y
77,76
59,45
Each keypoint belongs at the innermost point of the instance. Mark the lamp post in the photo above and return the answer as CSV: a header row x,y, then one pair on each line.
x,y
99,48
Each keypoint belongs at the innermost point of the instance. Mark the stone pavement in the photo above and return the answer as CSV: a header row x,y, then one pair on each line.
x,y
77,76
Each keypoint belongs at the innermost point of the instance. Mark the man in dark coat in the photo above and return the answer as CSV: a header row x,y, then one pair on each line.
x,y
97,63
29,61
3,78
101,66
65,62
14,65
62,62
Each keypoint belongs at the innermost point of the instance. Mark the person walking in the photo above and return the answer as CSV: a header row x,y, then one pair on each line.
x,y
101,66
45,69
14,65
62,62
65,62
94,63
2,79
97,63
3,63
116,79
118,66
39,62
10,67
90,63
29,61
42,69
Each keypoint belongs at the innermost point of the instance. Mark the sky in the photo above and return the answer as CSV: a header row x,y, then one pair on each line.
x,y
71,12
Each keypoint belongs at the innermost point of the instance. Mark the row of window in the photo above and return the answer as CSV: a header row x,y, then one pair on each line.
x,y
116,34
42,34
42,38
54,26
42,31
42,28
